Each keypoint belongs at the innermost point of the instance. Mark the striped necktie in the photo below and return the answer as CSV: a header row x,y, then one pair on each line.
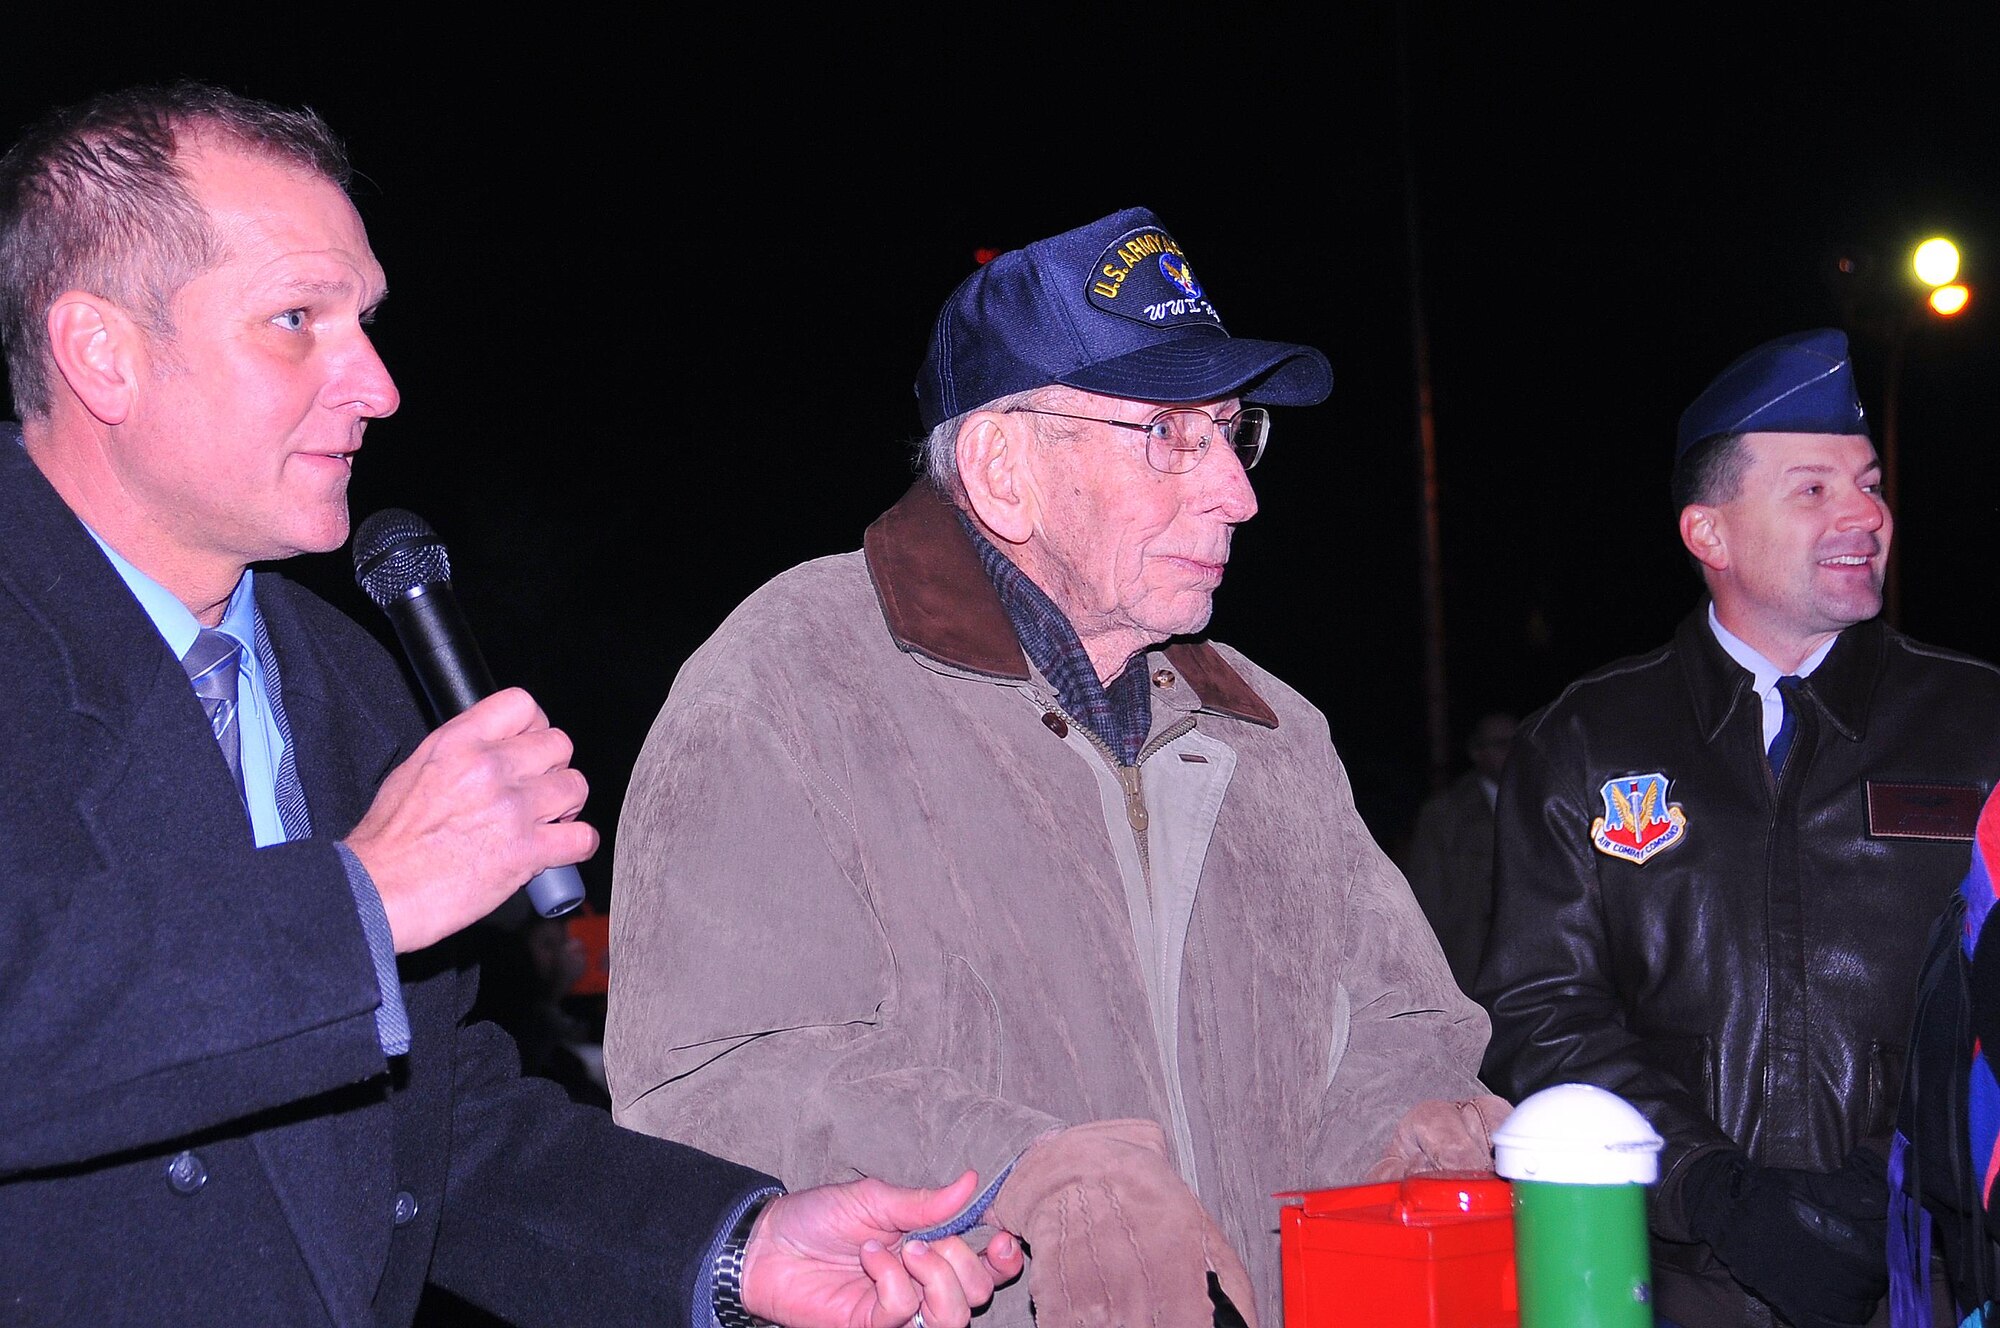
x,y
211,666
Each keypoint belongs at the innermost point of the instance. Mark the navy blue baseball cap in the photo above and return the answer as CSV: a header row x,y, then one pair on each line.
x,y
1802,383
1112,307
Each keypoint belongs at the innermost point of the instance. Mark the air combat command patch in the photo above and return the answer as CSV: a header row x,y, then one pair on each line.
x,y
1638,821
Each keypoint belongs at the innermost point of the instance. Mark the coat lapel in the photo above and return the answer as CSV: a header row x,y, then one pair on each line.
x,y
114,662
331,1168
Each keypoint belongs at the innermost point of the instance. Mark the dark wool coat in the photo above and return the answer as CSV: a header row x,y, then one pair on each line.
x,y
197,1123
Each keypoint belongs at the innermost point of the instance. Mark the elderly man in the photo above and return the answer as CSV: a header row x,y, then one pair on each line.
x,y
239,1090
1718,862
963,850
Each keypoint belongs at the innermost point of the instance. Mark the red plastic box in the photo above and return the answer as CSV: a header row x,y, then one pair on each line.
x,y
1432,1251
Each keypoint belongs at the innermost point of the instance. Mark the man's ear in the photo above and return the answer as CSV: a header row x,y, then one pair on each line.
x,y
996,456
1702,533
99,351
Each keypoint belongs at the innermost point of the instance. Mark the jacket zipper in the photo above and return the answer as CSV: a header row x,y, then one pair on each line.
x,y
1136,815
1129,781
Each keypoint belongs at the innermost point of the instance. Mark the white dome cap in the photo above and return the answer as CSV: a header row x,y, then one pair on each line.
x,y
1577,1134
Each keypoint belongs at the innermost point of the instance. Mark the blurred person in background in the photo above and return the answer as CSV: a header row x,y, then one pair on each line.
x,y
1451,850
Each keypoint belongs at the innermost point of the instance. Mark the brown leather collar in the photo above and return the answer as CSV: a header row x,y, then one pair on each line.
x,y
938,602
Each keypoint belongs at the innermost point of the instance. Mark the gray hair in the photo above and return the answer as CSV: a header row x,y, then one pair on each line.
x,y
94,197
937,451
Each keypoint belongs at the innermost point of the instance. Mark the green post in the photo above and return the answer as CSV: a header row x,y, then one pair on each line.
x,y
1579,1159
1580,1252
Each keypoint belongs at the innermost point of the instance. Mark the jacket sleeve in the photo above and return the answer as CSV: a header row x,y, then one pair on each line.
x,y
152,997
1404,1032
754,993
1549,974
549,1206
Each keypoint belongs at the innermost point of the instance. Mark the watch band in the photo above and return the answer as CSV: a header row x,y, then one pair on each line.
x,y
727,1275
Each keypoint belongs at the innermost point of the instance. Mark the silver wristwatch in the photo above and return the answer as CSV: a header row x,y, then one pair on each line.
x,y
727,1275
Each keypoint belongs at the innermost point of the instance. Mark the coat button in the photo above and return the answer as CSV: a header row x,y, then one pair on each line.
x,y
1163,678
186,1173
1055,723
406,1207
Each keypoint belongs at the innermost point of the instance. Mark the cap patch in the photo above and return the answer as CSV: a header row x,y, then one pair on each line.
x,y
1144,276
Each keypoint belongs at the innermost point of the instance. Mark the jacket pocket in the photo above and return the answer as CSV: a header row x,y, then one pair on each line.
x,y
1690,1060
1885,1090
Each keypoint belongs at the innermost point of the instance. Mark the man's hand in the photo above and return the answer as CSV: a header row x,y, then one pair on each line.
x,y
823,1258
1443,1136
1114,1235
485,802
1812,1244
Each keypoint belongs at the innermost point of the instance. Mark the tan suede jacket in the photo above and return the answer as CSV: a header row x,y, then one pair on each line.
x,y
881,909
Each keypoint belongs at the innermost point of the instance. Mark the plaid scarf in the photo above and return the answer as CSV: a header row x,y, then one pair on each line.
x,y
1121,714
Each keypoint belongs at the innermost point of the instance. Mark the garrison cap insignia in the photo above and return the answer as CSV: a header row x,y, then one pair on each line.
x,y
1638,821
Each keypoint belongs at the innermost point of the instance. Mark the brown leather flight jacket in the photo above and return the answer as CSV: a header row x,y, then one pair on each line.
x,y
1741,964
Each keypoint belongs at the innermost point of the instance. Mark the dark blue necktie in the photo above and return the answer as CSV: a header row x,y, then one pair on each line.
x,y
1781,746
211,666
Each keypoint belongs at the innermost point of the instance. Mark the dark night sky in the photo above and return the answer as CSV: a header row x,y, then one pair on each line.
x,y
659,297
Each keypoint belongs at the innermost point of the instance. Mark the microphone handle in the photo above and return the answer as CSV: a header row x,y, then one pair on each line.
x,y
441,651
454,676
555,891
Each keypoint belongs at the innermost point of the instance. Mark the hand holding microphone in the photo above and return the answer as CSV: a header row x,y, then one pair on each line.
x,y
489,798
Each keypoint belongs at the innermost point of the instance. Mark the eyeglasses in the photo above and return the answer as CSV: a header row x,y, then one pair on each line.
x,y
1177,439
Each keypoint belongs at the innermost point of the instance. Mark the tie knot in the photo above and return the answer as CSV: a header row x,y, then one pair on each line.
x,y
211,665
1790,684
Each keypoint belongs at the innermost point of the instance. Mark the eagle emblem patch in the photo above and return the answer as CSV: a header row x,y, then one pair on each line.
x,y
1175,269
1638,821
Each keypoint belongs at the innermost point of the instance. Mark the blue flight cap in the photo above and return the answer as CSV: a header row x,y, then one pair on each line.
x,y
1802,383
1112,307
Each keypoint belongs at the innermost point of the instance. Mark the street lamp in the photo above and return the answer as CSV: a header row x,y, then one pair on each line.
x,y
1935,262
1890,302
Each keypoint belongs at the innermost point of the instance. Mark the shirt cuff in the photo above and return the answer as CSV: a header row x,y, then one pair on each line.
x,y
971,1215
704,1286
392,1021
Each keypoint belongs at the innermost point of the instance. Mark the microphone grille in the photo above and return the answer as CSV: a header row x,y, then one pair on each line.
x,y
395,550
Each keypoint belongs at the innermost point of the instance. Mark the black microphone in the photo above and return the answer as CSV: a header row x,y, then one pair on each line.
x,y
400,563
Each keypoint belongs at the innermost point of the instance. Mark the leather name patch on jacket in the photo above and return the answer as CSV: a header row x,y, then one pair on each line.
x,y
1923,811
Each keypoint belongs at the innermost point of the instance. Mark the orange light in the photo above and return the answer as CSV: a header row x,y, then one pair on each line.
x,y
1949,300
